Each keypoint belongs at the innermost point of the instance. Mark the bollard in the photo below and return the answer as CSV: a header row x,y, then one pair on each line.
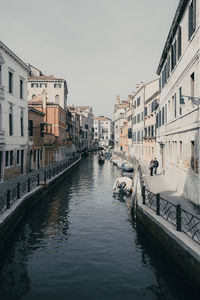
x,y
158,204
8,199
178,217
18,190
38,179
143,194
29,184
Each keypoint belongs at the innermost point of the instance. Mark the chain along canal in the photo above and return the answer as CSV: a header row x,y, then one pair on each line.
x,y
78,243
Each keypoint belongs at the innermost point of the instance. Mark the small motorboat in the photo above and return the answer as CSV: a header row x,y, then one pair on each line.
x,y
126,167
101,158
123,186
107,155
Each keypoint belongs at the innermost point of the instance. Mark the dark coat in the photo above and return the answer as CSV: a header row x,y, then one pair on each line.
x,y
155,163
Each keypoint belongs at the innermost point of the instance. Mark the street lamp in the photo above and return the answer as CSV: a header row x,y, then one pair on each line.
x,y
196,101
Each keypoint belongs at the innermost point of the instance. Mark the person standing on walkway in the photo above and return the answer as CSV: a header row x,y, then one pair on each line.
x,y
156,165
151,166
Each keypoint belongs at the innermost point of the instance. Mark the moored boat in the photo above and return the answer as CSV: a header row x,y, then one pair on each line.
x,y
123,186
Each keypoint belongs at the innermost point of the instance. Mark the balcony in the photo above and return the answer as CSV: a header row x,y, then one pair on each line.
x,y
1,92
2,137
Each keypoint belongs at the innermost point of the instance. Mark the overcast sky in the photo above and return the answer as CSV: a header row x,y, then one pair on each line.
x,y
103,48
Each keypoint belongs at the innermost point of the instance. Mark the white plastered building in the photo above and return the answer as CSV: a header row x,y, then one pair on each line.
x,y
178,117
13,114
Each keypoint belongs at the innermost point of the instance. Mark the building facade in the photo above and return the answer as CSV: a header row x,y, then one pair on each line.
x,y
141,96
55,88
86,125
149,139
56,116
103,131
13,114
119,119
179,114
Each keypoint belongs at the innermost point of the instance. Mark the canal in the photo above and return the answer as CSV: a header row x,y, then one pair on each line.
x,y
78,243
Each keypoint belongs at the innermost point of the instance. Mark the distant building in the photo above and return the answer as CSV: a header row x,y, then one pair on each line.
x,y
149,140
56,88
104,131
143,93
86,125
13,114
178,125
120,110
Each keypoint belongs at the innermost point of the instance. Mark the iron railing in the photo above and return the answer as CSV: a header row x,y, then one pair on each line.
x,y
28,184
183,221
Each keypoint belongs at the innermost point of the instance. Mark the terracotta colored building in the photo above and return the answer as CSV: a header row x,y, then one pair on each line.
x,y
54,115
124,138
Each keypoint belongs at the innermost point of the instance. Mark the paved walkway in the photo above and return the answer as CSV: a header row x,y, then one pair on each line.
x,y
12,183
159,184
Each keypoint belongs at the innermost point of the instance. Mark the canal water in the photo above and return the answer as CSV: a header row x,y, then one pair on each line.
x,y
78,243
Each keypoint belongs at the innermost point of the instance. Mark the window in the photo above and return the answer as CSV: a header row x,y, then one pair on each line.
x,y
145,111
22,123
7,158
10,82
173,55
30,127
57,98
43,85
42,129
86,126
181,100
138,101
191,19
179,42
175,108
33,96
18,156
163,115
152,130
57,85
34,85
129,133
142,116
21,88
11,157
40,154
138,118
192,84
10,121
181,150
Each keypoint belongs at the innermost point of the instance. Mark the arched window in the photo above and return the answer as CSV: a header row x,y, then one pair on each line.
x,y
22,123
33,96
11,121
57,98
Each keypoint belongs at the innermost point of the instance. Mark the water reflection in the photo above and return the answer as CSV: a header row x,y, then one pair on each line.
x,y
79,243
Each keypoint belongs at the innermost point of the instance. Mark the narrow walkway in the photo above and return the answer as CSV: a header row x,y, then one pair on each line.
x,y
11,183
159,184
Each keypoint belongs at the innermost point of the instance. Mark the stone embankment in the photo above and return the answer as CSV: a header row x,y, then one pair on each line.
x,y
22,195
171,224
175,232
